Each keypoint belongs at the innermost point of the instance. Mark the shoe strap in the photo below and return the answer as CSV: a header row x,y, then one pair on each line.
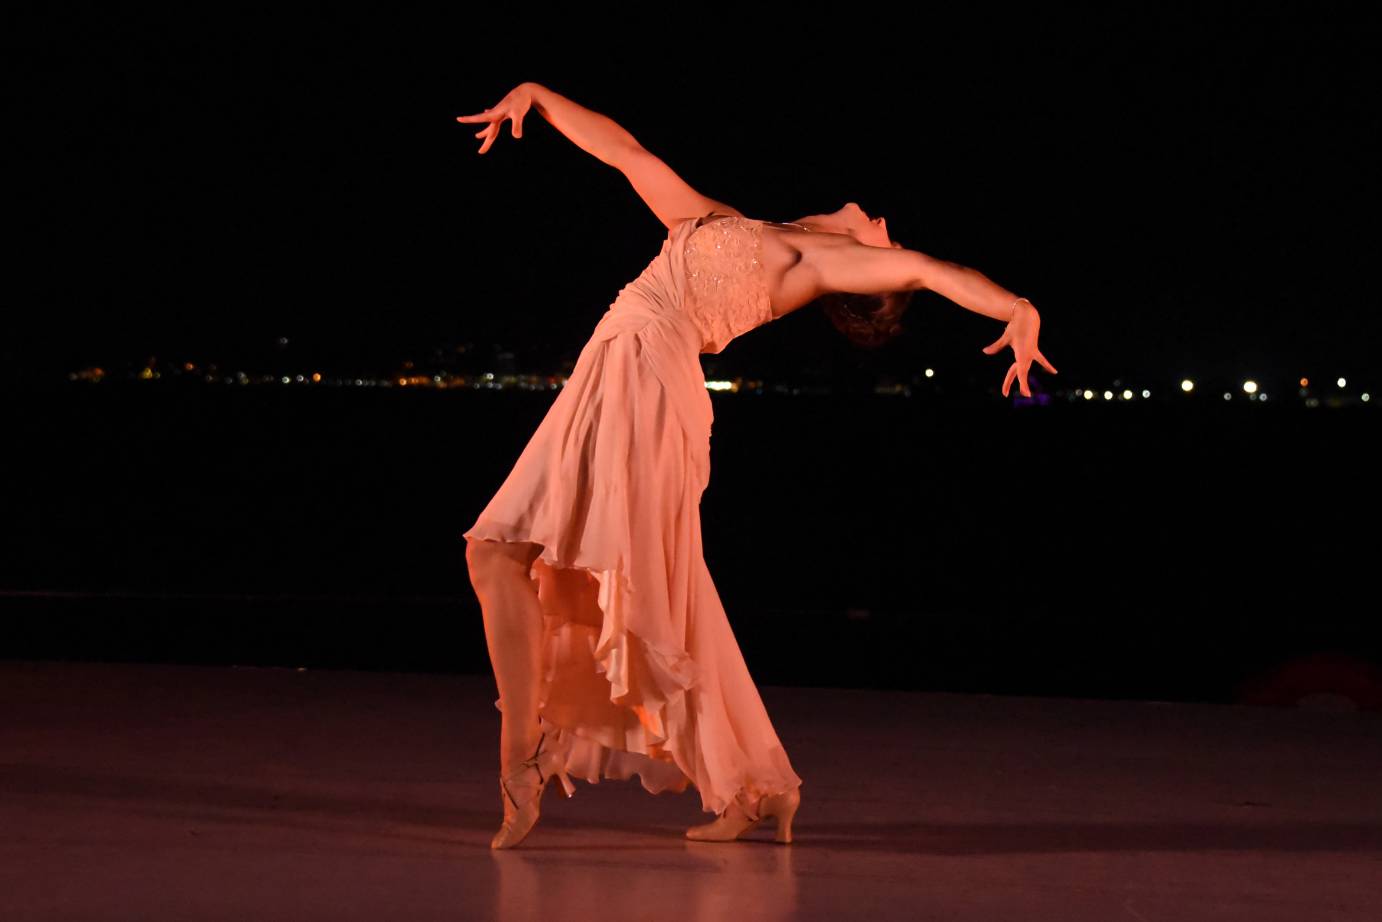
x,y
754,815
530,762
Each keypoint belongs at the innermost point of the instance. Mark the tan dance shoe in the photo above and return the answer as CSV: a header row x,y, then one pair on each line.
x,y
734,821
519,817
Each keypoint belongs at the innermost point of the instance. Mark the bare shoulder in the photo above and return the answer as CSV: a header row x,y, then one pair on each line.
x,y
839,262
789,260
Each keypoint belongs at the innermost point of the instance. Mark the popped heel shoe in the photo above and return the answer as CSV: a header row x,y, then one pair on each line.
x,y
734,821
519,817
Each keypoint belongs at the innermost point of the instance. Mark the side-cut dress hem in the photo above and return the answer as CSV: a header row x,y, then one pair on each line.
x,y
641,672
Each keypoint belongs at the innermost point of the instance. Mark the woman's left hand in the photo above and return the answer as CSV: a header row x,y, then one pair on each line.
x,y
1021,334
513,106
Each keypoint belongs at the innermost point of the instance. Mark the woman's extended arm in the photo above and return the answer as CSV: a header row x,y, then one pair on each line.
x,y
970,289
836,262
669,196
598,135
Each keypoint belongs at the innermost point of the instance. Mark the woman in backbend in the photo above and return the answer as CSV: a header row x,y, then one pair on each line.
x,y
611,650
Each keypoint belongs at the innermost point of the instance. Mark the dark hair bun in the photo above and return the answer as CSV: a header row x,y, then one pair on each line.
x,y
868,321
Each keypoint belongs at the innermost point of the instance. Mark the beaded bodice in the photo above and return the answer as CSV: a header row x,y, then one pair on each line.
x,y
726,285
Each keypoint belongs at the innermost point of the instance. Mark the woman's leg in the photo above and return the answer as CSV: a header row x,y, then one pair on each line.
x,y
513,630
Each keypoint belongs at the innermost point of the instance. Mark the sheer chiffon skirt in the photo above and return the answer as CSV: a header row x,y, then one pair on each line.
x,y
641,671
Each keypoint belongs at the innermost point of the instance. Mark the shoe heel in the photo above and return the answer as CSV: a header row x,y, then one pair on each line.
x,y
785,812
558,757
567,786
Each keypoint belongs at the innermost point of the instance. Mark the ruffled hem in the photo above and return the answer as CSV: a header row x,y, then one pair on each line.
x,y
645,685
615,703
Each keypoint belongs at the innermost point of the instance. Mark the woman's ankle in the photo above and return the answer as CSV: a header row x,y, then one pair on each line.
x,y
518,746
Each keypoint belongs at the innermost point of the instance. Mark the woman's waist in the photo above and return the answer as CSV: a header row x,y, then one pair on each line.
x,y
670,344
624,315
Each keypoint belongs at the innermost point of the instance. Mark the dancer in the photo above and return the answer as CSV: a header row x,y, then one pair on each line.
x,y
612,653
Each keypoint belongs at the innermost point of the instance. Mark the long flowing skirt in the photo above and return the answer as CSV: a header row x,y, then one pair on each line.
x,y
641,671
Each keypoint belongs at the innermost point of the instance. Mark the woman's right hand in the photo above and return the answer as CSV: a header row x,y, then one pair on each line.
x,y
1021,334
514,106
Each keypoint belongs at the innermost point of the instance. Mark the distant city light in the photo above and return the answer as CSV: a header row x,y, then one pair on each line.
x,y
719,385
1366,398
1088,395
1127,395
1227,395
1342,382
1250,387
1187,385
286,379
1146,394
1108,395
1304,382
930,372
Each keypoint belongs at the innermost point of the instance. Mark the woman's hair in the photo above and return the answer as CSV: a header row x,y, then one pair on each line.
x,y
868,321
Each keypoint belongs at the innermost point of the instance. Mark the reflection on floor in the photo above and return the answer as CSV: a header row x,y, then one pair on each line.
x,y
182,792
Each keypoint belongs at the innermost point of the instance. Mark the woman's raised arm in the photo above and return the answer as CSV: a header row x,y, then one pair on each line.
x,y
669,196
598,135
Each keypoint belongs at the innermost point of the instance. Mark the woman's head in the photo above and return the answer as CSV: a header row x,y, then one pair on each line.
x,y
868,321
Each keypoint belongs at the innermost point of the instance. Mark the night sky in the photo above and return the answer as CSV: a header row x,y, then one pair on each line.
x,y
1188,191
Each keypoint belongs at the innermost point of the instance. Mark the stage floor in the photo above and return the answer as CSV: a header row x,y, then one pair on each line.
x,y
182,792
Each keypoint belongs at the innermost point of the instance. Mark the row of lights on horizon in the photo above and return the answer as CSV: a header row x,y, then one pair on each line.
x,y
1187,385
1250,388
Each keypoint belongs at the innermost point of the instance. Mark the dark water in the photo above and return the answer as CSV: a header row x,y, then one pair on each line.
x,y
1157,550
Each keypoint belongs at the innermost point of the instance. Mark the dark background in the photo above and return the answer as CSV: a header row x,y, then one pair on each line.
x,y
1185,192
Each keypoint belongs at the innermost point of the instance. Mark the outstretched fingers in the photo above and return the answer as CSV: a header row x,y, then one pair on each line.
x,y
489,134
998,343
514,107
490,131
1015,372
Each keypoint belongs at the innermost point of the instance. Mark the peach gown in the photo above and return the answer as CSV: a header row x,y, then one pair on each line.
x,y
641,672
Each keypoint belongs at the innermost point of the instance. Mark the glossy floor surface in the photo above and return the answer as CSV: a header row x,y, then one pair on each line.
x,y
181,792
